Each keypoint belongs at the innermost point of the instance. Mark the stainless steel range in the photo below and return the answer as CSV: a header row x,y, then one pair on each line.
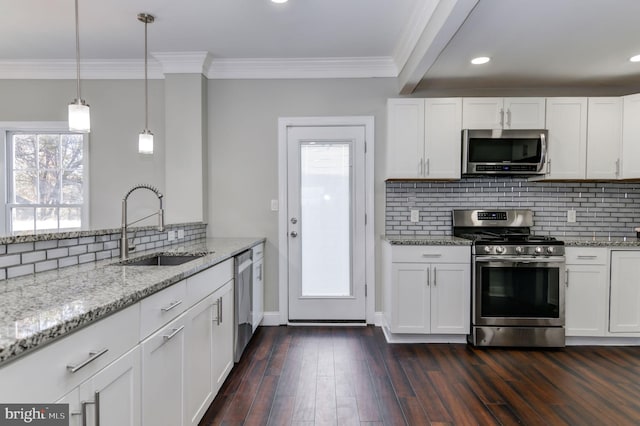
x,y
518,279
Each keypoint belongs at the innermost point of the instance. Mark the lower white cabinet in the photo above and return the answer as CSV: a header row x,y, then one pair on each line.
x,y
625,291
258,286
428,289
222,357
163,375
587,292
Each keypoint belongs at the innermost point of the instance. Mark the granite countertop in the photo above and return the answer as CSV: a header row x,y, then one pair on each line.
x,y
36,309
601,241
425,240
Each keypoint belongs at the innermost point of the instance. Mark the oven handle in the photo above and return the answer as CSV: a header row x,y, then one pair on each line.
x,y
516,259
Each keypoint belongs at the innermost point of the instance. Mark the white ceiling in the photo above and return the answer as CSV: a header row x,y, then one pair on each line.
x,y
531,42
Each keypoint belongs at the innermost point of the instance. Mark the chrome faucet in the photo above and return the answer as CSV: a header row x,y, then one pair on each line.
x,y
124,240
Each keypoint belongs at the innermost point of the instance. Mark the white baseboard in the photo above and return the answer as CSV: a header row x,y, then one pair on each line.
x,y
271,319
602,341
379,319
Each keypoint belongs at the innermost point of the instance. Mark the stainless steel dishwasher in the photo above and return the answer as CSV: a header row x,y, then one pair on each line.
x,y
243,282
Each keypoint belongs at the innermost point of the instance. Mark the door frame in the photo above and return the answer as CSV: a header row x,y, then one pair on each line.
x,y
283,236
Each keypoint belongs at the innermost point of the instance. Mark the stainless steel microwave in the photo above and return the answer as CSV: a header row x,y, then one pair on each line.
x,y
504,152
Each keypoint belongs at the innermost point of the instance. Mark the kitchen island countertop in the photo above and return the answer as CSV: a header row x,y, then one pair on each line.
x,y
37,309
440,240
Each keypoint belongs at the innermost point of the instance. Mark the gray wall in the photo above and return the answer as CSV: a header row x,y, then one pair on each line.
x,y
243,138
117,117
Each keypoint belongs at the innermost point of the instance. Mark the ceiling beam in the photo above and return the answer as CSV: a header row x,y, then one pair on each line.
x,y
448,16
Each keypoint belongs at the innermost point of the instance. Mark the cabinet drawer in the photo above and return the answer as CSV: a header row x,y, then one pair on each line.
x,y
258,252
160,308
206,282
46,374
428,254
586,256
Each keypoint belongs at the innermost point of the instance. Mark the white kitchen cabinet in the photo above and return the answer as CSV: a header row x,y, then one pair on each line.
x,y
199,353
630,158
587,292
258,286
604,138
428,289
503,113
423,138
624,314
163,375
222,361
567,145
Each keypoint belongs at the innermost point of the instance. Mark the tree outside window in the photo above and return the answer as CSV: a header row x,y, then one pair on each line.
x,y
46,181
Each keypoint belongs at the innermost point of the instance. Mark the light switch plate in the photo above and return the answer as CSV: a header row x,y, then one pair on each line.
x,y
415,216
274,205
571,216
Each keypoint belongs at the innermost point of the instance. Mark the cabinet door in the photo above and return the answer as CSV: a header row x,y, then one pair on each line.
x,y
410,299
450,298
443,133
524,113
567,125
75,408
482,113
604,138
586,300
631,137
258,293
198,354
625,292
112,396
405,138
222,361
163,375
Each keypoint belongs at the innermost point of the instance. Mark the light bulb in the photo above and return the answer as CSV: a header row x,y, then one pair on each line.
x,y
79,116
145,142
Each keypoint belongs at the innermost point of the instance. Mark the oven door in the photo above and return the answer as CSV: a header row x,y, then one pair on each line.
x,y
513,291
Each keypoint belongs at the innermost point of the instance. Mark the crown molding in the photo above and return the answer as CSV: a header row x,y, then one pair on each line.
x,y
268,68
201,63
184,62
66,69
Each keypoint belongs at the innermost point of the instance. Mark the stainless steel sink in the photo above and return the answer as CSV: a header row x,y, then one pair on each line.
x,y
161,260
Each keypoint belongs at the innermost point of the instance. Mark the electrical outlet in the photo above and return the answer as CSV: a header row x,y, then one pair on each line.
x,y
415,216
571,216
180,233
171,235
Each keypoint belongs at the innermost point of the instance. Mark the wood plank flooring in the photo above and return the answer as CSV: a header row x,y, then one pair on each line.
x,y
351,376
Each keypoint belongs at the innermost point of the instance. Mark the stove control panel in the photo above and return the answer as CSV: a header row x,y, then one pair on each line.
x,y
521,250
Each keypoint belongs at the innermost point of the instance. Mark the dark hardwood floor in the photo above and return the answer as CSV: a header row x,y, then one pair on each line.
x,y
351,376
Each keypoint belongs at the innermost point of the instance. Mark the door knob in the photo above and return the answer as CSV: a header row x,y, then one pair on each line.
x,y
294,220
294,234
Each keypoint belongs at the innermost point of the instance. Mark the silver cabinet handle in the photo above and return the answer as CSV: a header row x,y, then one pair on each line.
x,y
420,167
428,277
543,141
426,167
175,331
501,117
220,312
260,273
435,276
508,118
294,234
431,255
218,318
586,256
93,355
566,278
96,402
618,167
171,306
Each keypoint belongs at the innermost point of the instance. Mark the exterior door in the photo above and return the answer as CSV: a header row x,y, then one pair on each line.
x,y
326,223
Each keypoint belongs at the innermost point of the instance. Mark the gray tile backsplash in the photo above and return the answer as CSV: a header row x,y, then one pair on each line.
x,y
602,209
24,258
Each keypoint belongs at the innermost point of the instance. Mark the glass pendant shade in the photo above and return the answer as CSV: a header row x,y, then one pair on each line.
x,y
79,116
145,142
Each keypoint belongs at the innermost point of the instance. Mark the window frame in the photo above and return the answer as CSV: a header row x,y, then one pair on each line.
x,y
8,128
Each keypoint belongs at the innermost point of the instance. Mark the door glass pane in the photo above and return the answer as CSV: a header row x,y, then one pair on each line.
x,y
325,218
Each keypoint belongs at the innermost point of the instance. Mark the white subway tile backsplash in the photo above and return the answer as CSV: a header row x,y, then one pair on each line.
x,y
18,271
56,253
19,247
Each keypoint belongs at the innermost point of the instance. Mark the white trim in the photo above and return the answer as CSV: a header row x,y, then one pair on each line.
x,y
413,30
270,319
201,62
602,341
368,123
421,338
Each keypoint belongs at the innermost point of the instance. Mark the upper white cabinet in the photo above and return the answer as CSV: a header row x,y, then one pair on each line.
x,y
630,157
423,138
567,145
604,138
503,113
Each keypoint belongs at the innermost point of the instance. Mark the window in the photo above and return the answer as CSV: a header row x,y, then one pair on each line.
x,y
46,181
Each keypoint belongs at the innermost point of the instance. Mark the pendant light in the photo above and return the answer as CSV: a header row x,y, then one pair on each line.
x,y
145,140
79,117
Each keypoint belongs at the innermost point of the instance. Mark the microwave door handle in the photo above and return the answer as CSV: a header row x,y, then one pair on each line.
x,y
543,161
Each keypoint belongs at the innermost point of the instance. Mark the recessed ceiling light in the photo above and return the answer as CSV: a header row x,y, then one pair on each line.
x,y
635,58
480,60
279,1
